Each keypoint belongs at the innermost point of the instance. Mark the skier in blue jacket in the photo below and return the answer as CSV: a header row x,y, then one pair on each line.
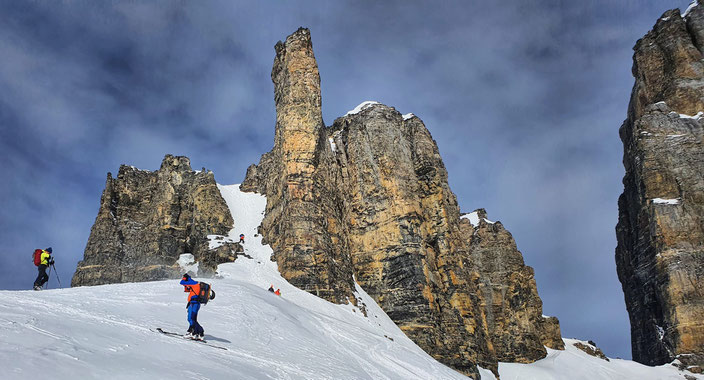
x,y
192,287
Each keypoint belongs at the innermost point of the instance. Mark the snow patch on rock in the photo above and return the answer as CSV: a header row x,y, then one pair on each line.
x,y
473,218
361,107
662,201
691,6
698,116
215,241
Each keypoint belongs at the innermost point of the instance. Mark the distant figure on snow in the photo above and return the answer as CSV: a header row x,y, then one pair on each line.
x,y
241,238
192,287
277,292
271,288
42,259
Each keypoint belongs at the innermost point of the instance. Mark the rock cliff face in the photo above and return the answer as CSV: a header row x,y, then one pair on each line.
x,y
404,237
148,219
660,252
518,328
368,199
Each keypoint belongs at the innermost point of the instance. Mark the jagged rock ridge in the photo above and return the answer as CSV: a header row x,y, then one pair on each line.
x,y
514,310
368,197
148,219
660,252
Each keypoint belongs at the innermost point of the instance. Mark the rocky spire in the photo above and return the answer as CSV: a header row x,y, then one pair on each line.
x,y
368,199
660,252
298,102
300,214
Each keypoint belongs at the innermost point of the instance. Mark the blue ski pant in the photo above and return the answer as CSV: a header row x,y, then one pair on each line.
x,y
194,327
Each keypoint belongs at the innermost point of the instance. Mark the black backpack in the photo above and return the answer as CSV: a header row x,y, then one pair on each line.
x,y
206,293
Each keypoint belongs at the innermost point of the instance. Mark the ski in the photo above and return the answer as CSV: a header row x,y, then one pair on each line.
x,y
159,329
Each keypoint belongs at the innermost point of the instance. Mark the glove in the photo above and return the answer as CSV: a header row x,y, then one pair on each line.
x,y
51,261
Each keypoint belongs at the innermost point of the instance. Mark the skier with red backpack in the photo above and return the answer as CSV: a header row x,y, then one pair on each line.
x,y
198,293
42,259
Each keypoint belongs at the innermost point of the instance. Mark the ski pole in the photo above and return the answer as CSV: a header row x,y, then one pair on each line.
x,y
57,276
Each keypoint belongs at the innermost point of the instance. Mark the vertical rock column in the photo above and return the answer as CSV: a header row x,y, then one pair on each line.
x,y
660,231
295,224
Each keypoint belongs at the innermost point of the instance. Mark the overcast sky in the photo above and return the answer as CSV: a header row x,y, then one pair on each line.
x,y
524,99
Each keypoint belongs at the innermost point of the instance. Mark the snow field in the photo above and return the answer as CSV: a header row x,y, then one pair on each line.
x,y
574,364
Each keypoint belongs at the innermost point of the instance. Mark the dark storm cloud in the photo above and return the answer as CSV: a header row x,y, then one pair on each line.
x,y
524,99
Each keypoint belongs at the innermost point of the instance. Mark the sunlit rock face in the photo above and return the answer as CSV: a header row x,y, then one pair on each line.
x,y
148,219
660,252
514,311
302,220
367,199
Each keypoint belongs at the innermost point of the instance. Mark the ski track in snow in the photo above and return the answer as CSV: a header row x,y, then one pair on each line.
x,y
106,332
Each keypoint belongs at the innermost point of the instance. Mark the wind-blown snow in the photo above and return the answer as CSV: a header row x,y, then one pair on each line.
x,y
408,116
106,332
187,264
361,107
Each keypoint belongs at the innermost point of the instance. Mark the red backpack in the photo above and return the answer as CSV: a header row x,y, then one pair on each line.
x,y
37,257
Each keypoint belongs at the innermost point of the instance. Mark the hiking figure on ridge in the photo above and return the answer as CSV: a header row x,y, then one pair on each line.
x,y
241,238
198,292
42,259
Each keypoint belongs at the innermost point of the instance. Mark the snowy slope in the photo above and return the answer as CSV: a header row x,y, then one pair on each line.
x,y
574,364
106,332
